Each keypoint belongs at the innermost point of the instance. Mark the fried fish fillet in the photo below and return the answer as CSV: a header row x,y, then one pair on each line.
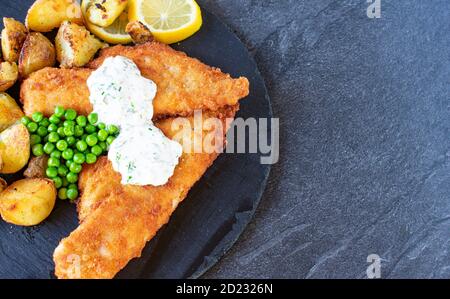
x,y
120,219
184,84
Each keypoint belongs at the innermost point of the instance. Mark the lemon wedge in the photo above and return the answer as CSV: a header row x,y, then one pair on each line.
x,y
170,21
113,34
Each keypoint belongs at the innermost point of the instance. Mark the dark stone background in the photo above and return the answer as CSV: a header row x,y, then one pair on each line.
x,y
364,111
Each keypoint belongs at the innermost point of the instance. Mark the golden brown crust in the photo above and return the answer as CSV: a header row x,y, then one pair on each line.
x,y
184,84
119,220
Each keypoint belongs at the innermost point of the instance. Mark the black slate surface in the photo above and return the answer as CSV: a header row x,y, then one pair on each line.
x,y
364,111
213,215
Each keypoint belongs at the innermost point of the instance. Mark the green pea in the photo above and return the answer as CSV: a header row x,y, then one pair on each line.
x,y
42,131
71,140
62,145
53,137
48,148
96,150
72,177
81,145
44,122
72,194
45,140
75,168
56,154
78,158
112,129
103,145
72,186
38,150
67,154
32,127
51,172
60,132
91,140
63,170
102,135
79,131
52,128
59,111
69,131
69,123
110,140
93,118
65,182
25,120
91,158
53,162
35,139
37,116
84,137
58,182
62,193
70,114
54,119
68,163
82,120
101,126
90,129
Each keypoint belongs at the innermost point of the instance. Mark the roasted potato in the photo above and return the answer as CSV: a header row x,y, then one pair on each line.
x,y
8,75
10,112
3,184
37,53
104,12
28,202
75,45
13,37
36,167
14,148
46,15
139,32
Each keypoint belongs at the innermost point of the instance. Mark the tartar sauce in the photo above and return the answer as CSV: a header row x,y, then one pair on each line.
x,y
121,96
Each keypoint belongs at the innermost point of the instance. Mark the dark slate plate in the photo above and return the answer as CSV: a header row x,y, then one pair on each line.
x,y
209,221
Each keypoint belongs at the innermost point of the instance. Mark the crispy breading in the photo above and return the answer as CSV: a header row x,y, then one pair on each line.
x,y
120,219
184,84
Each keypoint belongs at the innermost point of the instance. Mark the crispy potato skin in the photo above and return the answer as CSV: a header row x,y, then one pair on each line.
x,y
184,84
14,148
10,112
75,46
3,183
36,167
13,37
104,12
37,53
28,202
9,72
139,33
46,15
119,220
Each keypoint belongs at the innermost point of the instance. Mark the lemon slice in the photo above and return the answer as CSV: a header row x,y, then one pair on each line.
x,y
170,21
113,34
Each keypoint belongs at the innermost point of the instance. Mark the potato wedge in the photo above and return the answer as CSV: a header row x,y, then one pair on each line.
x,y
139,32
3,184
13,37
8,75
75,45
46,15
104,12
36,167
10,112
28,202
37,53
14,148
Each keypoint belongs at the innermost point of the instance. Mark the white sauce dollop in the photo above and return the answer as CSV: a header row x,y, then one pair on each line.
x,y
121,96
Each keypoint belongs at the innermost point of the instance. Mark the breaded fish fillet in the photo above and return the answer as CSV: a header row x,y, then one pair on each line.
x,y
121,219
184,84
